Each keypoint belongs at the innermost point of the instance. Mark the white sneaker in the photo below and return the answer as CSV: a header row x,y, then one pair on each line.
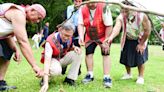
x,y
126,76
140,80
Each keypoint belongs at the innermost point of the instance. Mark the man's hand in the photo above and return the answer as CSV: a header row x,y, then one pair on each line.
x,y
81,42
105,47
140,48
38,71
17,57
44,88
108,41
77,50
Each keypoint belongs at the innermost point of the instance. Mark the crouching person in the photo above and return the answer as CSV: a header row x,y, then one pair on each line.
x,y
58,53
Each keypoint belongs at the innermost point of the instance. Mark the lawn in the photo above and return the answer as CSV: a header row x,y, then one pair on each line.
x,y
24,78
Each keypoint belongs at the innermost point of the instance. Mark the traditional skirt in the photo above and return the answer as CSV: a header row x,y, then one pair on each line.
x,y
129,55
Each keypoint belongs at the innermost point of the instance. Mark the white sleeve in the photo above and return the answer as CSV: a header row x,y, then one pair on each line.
x,y
80,19
107,17
48,50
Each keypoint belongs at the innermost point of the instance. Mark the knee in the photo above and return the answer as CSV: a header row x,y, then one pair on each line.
x,y
76,57
74,54
55,69
89,56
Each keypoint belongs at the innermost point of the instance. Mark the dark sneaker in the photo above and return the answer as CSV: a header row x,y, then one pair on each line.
x,y
107,82
69,81
4,86
87,79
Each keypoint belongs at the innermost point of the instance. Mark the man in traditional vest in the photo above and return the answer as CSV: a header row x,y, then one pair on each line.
x,y
59,52
136,30
162,34
97,20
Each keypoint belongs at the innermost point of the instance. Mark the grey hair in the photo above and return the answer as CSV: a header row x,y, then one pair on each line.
x,y
68,26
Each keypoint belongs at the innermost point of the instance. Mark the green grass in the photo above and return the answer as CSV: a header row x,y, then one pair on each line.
x,y
24,78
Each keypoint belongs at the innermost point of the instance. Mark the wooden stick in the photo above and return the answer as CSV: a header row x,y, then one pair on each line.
x,y
117,3
123,6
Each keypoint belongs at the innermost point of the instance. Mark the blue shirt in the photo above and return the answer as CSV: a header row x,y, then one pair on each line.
x,y
45,31
74,18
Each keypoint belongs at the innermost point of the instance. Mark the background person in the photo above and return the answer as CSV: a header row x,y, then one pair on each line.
x,y
162,34
36,38
44,33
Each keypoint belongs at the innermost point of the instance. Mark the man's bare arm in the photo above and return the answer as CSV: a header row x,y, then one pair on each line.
x,y
146,28
18,20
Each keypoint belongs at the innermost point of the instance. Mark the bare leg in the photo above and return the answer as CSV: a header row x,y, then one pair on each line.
x,y
106,65
3,68
140,79
107,82
128,70
89,62
141,70
89,65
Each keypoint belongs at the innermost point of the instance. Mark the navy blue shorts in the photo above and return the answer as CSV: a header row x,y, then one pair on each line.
x,y
5,51
91,48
